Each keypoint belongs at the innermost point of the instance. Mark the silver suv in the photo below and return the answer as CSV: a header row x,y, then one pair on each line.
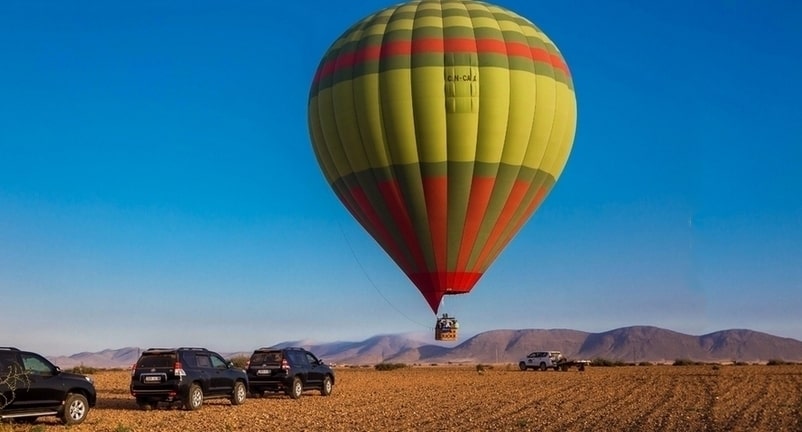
x,y
542,360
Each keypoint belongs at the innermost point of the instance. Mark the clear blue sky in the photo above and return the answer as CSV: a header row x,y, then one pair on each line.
x,y
158,187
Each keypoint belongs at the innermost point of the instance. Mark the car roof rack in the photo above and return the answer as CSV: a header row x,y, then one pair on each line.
x,y
9,349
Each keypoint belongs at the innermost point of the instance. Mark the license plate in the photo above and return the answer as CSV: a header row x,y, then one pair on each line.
x,y
263,372
153,378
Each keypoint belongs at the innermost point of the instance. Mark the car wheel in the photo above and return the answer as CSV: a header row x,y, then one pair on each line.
x,y
76,407
239,394
195,398
522,366
542,366
325,389
295,390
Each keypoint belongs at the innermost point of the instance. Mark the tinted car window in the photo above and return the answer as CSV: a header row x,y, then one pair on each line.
x,y
203,361
271,357
298,358
157,361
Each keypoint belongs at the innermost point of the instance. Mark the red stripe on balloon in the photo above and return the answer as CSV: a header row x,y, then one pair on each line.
x,y
433,292
517,194
481,190
393,199
396,48
435,190
377,228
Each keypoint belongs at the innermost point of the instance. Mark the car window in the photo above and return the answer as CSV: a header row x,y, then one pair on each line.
x,y
37,365
218,362
298,358
271,357
310,358
157,361
7,360
203,360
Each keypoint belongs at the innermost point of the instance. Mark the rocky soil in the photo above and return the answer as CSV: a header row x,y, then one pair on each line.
x,y
450,398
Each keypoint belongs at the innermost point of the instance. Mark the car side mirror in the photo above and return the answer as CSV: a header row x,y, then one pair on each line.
x,y
230,364
57,370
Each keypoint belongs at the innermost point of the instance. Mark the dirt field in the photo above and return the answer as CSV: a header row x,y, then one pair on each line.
x,y
441,398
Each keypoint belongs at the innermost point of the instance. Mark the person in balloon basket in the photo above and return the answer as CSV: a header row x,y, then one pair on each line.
x,y
446,324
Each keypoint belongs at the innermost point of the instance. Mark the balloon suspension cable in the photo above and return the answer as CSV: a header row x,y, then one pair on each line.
x,y
367,276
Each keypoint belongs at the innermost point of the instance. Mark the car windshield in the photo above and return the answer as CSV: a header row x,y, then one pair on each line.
x,y
264,358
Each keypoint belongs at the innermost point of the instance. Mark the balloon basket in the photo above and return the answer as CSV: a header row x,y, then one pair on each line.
x,y
446,328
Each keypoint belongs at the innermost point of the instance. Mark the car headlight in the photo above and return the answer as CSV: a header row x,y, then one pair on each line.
x,y
89,378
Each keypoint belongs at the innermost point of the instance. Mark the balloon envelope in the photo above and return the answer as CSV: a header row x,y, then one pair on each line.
x,y
442,126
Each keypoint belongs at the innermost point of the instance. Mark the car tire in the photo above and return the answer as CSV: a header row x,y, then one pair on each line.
x,y
239,394
543,366
76,407
194,398
522,366
325,388
296,388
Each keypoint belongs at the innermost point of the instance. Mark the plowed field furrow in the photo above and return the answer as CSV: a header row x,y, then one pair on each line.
x,y
736,403
762,403
452,398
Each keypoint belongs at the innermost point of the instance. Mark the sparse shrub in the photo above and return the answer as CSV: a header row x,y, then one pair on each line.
x,y
645,363
123,428
777,362
84,370
389,366
482,367
606,362
684,362
240,361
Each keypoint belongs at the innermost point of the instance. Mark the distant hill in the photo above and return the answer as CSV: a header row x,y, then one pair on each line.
x,y
627,344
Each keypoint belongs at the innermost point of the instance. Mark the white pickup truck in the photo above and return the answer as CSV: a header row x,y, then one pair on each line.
x,y
544,360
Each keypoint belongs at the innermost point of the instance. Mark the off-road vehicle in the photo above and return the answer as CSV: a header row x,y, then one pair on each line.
x,y
291,370
544,360
187,377
31,387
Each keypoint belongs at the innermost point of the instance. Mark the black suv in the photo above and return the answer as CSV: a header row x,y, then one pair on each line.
x,y
31,387
291,370
186,376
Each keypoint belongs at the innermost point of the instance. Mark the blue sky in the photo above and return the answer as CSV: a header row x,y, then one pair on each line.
x,y
158,187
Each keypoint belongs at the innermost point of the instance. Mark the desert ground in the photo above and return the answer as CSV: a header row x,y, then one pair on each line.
x,y
499,398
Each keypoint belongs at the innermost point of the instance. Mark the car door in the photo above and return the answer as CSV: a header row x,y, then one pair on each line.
x,y
300,365
531,359
12,380
222,380
44,388
316,372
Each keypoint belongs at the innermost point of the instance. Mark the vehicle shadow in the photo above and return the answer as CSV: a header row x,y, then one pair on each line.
x,y
116,404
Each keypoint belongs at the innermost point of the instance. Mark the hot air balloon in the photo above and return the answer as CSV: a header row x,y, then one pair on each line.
x,y
442,125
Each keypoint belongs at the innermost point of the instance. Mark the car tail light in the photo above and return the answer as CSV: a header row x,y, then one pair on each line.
x,y
178,369
285,365
133,369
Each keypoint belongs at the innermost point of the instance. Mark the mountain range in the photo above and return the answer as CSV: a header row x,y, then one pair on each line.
x,y
628,344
